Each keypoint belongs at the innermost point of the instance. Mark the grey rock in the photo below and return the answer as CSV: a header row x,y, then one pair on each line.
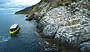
x,y
85,47
68,28
64,35
30,17
69,25
50,31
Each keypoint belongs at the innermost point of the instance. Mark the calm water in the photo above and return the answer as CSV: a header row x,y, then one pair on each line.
x,y
27,40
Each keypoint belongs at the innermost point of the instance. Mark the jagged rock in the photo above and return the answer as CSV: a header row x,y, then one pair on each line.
x,y
70,25
29,17
65,24
35,16
65,35
72,29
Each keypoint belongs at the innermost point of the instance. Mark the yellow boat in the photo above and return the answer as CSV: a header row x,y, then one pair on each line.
x,y
14,29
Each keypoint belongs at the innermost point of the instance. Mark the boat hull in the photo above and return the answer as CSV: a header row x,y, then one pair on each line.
x,y
16,31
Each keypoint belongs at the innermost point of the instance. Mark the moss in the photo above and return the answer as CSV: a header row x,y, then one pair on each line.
x,y
57,4
61,2
86,25
75,22
31,12
84,12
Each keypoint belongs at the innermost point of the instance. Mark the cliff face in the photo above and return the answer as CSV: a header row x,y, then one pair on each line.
x,y
38,7
50,4
64,22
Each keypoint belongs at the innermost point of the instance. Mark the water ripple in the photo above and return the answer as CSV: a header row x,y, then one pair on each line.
x,y
4,38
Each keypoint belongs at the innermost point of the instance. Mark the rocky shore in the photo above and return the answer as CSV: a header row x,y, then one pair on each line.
x,y
65,23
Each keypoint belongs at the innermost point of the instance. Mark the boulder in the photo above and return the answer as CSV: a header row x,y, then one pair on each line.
x,y
50,30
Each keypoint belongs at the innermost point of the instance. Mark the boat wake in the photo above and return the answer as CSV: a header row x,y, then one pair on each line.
x,y
4,38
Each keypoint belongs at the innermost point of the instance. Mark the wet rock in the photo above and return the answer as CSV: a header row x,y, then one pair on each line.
x,y
85,47
50,49
35,16
30,17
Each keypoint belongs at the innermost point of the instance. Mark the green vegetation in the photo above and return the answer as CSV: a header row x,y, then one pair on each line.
x,y
24,11
74,1
37,8
27,10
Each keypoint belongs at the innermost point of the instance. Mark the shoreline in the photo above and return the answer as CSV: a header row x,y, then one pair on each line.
x,y
67,25
61,47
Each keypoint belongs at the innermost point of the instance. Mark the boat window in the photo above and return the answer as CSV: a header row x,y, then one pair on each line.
x,y
11,29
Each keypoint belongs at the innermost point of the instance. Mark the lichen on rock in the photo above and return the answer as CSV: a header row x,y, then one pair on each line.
x,y
67,24
70,26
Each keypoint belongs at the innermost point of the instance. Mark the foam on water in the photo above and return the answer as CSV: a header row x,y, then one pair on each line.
x,y
4,38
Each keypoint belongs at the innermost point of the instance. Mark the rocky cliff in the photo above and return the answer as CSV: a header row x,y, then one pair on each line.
x,y
38,7
65,22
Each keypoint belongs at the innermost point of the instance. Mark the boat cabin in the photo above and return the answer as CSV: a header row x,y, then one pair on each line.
x,y
13,27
